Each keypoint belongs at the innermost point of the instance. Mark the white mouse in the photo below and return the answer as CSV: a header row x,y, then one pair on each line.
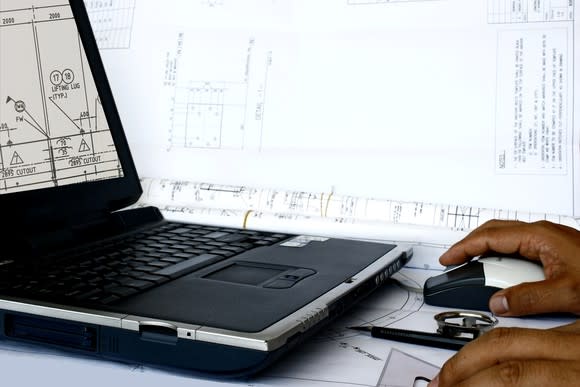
x,y
504,272
471,285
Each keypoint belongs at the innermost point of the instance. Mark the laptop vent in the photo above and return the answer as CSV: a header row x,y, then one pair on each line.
x,y
65,334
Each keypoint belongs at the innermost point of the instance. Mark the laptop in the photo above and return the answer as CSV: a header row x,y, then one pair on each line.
x,y
83,271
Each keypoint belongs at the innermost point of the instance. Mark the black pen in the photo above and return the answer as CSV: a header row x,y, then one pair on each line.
x,y
415,337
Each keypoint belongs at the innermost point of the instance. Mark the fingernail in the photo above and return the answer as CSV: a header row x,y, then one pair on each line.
x,y
498,304
434,382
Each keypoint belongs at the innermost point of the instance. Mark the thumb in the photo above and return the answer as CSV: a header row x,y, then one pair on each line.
x,y
533,297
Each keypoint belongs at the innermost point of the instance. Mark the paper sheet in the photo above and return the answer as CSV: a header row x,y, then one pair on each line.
x,y
324,213
470,103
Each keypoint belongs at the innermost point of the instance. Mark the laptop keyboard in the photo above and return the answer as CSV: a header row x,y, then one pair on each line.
x,y
122,268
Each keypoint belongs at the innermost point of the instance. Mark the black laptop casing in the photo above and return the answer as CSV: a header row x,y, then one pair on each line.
x,y
232,318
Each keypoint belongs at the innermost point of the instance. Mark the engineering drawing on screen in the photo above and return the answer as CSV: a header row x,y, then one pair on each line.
x,y
53,130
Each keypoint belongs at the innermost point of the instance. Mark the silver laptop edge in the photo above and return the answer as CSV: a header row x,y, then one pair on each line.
x,y
269,339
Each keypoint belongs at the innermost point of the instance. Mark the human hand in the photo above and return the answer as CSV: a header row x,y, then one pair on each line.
x,y
516,357
557,247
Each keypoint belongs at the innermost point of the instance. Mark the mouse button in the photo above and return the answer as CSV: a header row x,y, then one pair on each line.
x,y
471,274
512,272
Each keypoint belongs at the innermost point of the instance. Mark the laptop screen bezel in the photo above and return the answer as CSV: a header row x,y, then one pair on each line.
x,y
69,203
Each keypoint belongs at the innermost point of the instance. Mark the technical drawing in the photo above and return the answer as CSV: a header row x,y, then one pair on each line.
x,y
200,110
225,112
52,126
112,22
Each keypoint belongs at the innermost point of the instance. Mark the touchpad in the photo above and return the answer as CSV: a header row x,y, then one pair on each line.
x,y
259,274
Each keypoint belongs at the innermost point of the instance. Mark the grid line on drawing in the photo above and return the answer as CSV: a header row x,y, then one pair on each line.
x,y
462,218
112,22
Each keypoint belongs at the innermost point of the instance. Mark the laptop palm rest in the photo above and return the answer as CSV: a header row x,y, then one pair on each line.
x,y
252,291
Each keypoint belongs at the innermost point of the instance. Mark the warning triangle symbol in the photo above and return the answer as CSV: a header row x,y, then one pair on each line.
x,y
16,159
84,147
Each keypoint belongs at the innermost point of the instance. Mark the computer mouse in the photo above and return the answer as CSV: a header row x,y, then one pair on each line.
x,y
470,286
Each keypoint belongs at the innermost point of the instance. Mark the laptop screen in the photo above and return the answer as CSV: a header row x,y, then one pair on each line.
x,y
53,128
58,124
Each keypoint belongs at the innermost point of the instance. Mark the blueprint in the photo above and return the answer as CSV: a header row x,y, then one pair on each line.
x,y
192,195
467,103
52,127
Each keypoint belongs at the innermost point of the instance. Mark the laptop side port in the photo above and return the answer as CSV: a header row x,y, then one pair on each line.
x,y
64,334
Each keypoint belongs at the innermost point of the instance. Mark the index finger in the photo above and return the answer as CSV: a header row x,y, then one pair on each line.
x,y
505,237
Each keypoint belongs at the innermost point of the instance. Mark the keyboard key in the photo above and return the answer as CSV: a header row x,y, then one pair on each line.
x,y
167,250
123,291
152,278
230,238
206,247
216,235
217,244
90,293
262,243
177,258
145,259
180,230
159,264
108,299
139,284
189,265
233,248
146,268
243,245
193,251
178,246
